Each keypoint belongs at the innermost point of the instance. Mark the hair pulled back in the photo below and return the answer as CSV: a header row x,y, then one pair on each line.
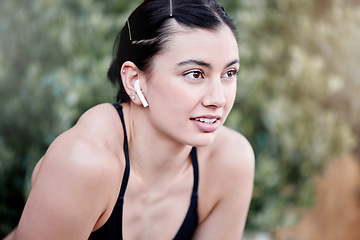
x,y
147,30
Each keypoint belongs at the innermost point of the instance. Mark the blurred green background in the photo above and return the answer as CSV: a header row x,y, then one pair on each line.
x,y
297,98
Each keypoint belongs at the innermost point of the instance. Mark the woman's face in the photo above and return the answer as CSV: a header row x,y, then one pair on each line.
x,y
192,86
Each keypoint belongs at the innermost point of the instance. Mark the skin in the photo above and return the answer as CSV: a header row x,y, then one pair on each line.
x,y
77,182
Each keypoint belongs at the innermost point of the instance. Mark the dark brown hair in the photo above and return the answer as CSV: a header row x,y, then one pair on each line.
x,y
147,30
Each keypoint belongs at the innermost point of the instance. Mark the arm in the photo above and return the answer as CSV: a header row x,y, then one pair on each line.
x,y
65,201
233,176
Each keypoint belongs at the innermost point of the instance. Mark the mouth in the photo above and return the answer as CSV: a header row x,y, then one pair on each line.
x,y
206,123
206,120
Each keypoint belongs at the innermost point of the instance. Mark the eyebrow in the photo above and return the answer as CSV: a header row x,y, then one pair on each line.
x,y
202,63
195,62
233,62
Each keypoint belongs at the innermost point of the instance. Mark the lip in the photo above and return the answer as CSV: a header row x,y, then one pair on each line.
x,y
207,127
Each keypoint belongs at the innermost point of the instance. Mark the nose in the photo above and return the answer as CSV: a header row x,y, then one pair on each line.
x,y
215,95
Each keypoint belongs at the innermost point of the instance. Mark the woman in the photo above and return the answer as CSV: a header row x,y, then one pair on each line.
x,y
160,165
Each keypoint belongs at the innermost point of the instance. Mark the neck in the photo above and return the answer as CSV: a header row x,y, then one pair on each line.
x,y
153,155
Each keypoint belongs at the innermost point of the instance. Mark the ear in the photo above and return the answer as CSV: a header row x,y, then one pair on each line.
x,y
129,74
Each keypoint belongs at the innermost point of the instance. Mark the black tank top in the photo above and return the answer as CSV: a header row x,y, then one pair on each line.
x,y
112,229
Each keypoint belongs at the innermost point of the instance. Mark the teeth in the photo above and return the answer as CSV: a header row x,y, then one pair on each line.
x,y
206,120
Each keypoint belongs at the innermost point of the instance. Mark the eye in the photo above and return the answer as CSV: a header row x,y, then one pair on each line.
x,y
195,74
230,74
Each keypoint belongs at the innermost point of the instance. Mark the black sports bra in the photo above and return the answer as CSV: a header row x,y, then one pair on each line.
x,y
112,229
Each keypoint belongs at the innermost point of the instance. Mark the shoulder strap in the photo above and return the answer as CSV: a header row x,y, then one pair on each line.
x,y
191,219
126,152
194,159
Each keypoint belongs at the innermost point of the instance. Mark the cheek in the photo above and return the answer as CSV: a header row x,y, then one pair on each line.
x,y
230,95
172,94
165,100
163,94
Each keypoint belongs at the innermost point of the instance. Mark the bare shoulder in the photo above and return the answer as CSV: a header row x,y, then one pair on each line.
x,y
76,181
89,143
227,175
98,133
88,152
100,119
231,150
103,111
230,159
233,141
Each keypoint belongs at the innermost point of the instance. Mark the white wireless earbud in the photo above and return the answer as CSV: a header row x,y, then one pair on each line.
x,y
139,93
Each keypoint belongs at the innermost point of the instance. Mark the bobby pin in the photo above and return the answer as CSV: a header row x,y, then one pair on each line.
x,y
171,10
129,30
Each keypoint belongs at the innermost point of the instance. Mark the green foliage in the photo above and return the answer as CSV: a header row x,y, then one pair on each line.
x,y
53,61
296,93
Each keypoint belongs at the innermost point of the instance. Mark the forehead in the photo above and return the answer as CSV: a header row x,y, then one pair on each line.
x,y
213,46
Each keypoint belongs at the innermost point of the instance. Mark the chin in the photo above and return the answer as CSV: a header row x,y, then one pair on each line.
x,y
202,141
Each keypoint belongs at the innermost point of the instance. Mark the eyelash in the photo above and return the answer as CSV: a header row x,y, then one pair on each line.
x,y
234,72
194,72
